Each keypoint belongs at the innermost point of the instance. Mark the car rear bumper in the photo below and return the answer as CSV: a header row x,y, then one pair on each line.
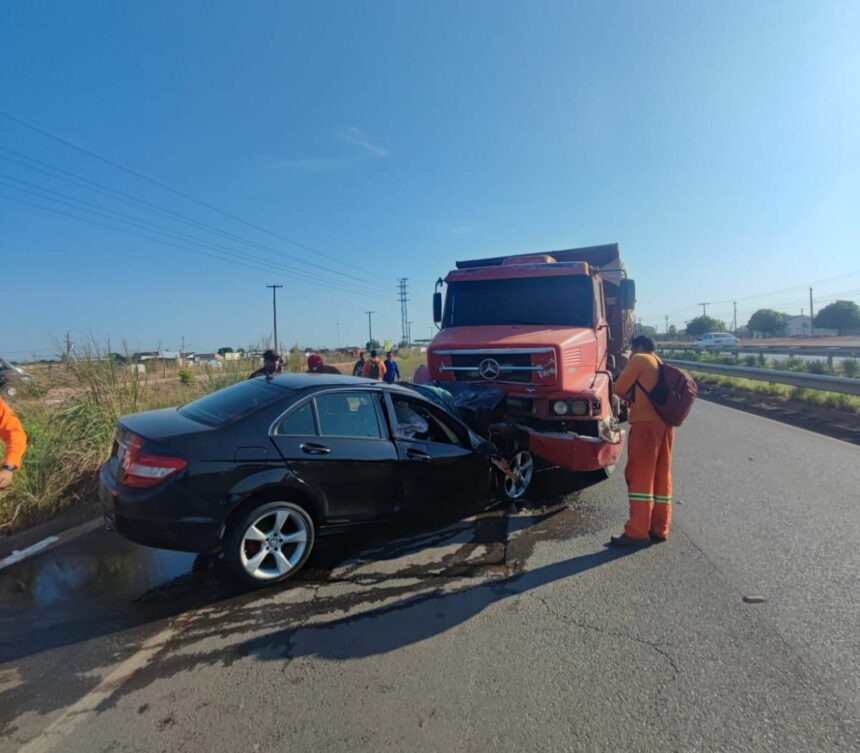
x,y
131,515
576,453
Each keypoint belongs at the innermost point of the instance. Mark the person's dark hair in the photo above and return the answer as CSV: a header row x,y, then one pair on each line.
x,y
644,343
373,354
270,355
388,353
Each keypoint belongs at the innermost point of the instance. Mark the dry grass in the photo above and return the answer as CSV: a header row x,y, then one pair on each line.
x,y
70,415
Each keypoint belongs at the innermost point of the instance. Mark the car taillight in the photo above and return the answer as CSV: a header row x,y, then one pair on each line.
x,y
143,470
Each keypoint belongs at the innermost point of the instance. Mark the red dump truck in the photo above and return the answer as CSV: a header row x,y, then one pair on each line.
x,y
551,331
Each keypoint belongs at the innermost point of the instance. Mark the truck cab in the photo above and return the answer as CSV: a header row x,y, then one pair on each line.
x,y
550,330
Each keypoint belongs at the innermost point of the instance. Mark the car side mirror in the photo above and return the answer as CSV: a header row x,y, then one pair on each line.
x,y
628,295
437,307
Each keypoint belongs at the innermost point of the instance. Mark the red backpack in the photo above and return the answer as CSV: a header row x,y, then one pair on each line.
x,y
673,395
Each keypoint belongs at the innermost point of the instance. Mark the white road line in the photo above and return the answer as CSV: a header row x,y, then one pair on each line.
x,y
22,554
86,707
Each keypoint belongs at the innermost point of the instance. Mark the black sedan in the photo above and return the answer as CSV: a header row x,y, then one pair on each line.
x,y
261,468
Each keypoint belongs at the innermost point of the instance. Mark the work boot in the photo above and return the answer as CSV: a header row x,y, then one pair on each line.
x,y
657,539
627,541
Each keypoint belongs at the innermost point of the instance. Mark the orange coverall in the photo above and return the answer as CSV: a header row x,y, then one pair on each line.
x,y
12,435
649,452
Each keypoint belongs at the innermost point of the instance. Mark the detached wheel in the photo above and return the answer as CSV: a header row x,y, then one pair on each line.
x,y
522,466
270,543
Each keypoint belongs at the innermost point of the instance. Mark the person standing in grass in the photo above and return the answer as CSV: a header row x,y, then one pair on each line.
x,y
358,368
272,366
317,366
374,368
14,438
392,370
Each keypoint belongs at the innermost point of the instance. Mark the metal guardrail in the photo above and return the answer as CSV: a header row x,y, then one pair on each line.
x,y
843,385
815,351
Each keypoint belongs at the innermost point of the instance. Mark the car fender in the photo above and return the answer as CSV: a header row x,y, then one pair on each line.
x,y
273,480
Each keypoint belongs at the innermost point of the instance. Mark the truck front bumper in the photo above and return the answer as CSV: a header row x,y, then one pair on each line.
x,y
574,452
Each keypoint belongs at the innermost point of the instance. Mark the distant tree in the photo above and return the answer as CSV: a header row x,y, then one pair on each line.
x,y
702,324
403,344
644,329
767,321
373,345
673,331
224,351
841,316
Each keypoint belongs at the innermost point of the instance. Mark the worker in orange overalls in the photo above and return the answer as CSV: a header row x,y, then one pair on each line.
x,y
12,435
649,451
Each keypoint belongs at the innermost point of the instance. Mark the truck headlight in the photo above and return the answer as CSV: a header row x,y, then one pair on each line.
x,y
560,408
579,407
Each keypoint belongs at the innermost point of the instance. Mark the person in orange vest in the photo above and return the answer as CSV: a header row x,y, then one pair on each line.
x,y
374,368
649,451
13,436
316,365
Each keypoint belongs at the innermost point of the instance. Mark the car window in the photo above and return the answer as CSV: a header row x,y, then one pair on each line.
x,y
299,421
344,414
416,420
234,402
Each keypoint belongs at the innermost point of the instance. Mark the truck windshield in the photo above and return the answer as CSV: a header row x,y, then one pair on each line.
x,y
559,301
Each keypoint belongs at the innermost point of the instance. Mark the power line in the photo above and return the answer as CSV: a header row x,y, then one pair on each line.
x,y
220,257
107,213
165,187
100,188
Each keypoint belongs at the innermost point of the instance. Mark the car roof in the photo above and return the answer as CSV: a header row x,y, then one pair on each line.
x,y
302,381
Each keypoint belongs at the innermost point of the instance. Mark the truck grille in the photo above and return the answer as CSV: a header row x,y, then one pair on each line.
x,y
493,366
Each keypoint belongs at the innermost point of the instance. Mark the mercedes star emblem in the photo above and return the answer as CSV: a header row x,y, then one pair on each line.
x,y
489,369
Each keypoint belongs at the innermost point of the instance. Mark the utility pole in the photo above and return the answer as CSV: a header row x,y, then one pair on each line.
x,y
735,316
182,351
667,324
408,333
369,324
68,346
811,315
275,315
338,334
704,308
404,316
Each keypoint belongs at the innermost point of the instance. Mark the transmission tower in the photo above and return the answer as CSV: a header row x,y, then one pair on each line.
x,y
404,316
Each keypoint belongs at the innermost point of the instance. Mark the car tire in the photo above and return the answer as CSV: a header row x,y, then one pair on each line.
x,y
8,390
269,543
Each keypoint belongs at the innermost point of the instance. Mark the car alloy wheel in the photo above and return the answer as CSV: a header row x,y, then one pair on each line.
x,y
522,467
271,543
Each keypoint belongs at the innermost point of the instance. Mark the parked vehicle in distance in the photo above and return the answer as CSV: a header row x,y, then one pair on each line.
x,y
12,378
552,330
717,341
261,468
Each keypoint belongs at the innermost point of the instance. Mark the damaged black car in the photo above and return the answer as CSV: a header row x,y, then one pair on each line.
x,y
260,469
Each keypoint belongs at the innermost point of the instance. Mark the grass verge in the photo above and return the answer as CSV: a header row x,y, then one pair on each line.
x,y
818,398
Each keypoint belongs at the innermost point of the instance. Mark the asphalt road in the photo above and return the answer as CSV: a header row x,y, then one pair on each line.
x,y
503,632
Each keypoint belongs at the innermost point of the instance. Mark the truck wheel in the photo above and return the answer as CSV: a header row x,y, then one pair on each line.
x,y
270,543
522,465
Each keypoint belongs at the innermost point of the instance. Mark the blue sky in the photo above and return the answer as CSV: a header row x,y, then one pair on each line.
x,y
719,143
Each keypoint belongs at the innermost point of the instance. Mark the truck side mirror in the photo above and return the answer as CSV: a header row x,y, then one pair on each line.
x,y
437,307
628,295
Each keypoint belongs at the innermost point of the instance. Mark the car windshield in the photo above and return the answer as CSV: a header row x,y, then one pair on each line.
x,y
234,402
565,301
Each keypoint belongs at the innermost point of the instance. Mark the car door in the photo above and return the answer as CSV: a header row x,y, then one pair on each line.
x,y
438,465
337,442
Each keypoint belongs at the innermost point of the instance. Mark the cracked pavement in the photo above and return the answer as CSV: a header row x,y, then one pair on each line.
x,y
509,631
